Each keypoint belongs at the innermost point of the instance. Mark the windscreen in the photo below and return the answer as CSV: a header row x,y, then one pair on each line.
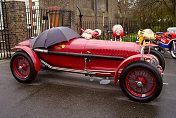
x,y
117,27
171,30
148,31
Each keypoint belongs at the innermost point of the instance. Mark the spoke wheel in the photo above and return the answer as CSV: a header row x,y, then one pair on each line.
x,y
22,67
140,81
173,50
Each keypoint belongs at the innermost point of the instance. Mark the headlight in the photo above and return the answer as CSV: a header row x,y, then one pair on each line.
x,y
118,32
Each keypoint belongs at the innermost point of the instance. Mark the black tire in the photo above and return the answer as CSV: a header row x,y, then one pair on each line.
x,y
22,67
173,50
157,54
147,70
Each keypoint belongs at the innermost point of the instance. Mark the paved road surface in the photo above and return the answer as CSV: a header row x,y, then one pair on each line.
x,y
68,95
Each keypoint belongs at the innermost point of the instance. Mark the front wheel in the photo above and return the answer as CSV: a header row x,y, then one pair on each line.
x,y
141,82
22,67
173,49
159,58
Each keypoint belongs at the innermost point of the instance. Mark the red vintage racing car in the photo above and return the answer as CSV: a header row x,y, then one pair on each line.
x,y
63,49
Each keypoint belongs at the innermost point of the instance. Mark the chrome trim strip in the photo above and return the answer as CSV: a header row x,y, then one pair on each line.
x,y
41,50
93,72
102,71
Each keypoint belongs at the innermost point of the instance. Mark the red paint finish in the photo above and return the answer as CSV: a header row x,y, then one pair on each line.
x,y
109,48
32,55
73,46
25,43
93,47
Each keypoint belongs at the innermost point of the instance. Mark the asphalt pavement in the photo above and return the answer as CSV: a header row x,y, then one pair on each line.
x,y
70,95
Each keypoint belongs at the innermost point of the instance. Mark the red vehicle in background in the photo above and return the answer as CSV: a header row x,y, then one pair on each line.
x,y
62,49
167,41
91,34
118,33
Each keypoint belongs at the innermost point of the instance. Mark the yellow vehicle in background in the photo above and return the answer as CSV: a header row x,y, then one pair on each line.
x,y
146,36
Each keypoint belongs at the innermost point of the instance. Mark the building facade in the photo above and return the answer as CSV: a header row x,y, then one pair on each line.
x,y
106,9
27,18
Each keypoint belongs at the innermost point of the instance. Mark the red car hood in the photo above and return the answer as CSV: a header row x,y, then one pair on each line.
x,y
111,48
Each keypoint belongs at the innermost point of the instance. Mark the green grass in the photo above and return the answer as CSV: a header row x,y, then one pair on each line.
x,y
130,37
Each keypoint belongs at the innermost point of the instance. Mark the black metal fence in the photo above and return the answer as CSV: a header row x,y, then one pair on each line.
x,y
130,27
4,32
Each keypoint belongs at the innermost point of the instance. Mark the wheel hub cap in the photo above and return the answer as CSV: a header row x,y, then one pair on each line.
x,y
139,83
20,67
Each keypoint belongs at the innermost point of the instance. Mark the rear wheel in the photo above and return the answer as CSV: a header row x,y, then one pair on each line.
x,y
141,81
158,57
22,67
173,49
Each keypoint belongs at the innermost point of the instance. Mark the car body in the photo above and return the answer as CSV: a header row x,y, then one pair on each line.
x,y
122,60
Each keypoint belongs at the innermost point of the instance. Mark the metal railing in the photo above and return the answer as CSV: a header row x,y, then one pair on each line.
x,y
5,51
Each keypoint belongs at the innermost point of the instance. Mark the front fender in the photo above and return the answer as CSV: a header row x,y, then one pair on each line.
x,y
32,55
127,61
170,44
